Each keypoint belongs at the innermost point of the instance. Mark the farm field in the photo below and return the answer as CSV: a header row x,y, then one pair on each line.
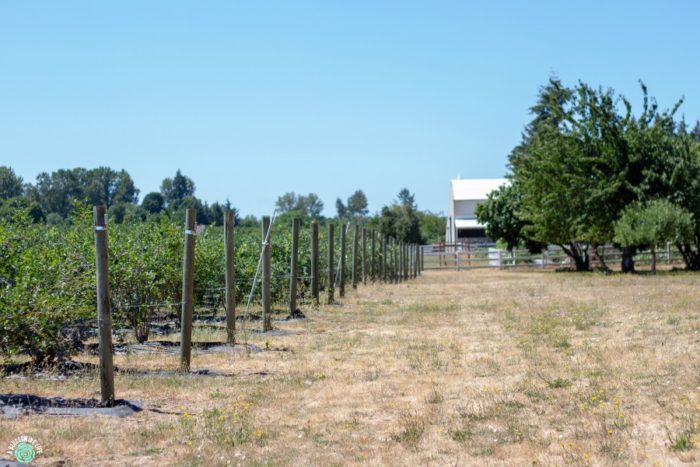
x,y
481,367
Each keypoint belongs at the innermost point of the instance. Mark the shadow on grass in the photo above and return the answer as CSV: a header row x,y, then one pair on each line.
x,y
14,405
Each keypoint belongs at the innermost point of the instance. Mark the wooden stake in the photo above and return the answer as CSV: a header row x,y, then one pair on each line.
x,y
355,244
343,235
104,311
266,270
315,276
364,255
187,291
230,278
294,267
331,269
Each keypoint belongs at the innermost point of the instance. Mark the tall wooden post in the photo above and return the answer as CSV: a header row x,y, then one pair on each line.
x,y
266,270
383,265
422,265
187,291
294,267
364,255
315,276
355,244
401,261
104,311
373,258
343,238
413,261
416,256
230,279
407,261
395,262
331,269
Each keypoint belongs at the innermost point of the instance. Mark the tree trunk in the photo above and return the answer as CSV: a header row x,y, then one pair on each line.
x,y
691,258
653,260
601,258
627,263
579,255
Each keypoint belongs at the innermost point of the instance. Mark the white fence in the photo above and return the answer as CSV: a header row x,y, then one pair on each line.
x,y
472,256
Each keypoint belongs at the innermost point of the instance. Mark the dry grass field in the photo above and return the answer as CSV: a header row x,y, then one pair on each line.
x,y
455,368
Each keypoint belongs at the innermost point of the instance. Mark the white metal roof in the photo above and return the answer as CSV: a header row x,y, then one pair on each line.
x,y
468,224
475,188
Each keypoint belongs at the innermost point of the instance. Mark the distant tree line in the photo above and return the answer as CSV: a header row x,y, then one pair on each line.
x,y
590,172
52,198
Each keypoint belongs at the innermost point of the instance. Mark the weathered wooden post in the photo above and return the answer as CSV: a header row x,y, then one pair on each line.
x,y
294,267
401,261
266,297
407,261
331,271
395,268
364,256
404,265
422,258
187,291
373,258
389,260
355,245
230,279
418,259
315,276
343,237
104,311
383,264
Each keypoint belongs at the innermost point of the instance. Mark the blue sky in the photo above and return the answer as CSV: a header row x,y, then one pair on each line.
x,y
253,99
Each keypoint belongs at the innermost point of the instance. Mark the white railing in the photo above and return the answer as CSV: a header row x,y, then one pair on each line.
x,y
472,256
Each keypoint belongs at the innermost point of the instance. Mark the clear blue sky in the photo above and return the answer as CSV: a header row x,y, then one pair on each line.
x,y
253,99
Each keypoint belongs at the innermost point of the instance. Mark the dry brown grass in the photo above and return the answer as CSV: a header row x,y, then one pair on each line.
x,y
459,368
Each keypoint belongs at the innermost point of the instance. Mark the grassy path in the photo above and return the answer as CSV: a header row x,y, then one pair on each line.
x,y
455,368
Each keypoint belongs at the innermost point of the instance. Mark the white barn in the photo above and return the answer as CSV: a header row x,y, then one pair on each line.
x,y
465,196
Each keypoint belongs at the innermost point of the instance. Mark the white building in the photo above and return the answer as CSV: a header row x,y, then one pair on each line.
x,y
465,196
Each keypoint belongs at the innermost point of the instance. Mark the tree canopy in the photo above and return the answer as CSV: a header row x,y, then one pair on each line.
x,y
583,159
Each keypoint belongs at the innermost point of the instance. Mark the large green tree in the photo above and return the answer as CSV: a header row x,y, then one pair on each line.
x,y
11,185
57,190
400,220
177,188
356,207
582,161
306,205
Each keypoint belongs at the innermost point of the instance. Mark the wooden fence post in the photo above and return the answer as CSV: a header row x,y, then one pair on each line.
x,y
413,260
104,311
373,258
294,267
364,255
397,261
266,269
187,291
315,276
383,264
402,264
230,279
343,238
331,270
421,267
355,245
